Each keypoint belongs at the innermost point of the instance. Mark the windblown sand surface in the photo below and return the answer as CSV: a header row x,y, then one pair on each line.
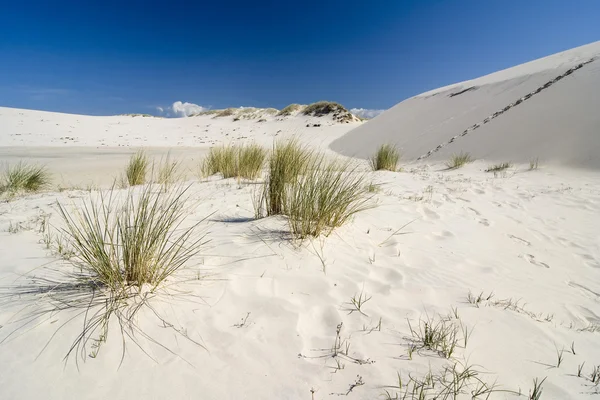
x,y
267,311
546,108
259,316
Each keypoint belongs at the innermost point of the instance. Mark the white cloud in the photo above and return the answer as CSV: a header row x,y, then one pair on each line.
x,y
365,113
160,109
186,109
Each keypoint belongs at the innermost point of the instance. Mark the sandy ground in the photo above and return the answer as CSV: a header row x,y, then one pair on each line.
x,y
266,309
84,166
545,108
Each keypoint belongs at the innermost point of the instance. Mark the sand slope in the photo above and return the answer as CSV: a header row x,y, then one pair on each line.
x,y
545,108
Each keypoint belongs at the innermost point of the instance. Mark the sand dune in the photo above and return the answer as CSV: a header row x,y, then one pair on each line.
x,y
42,129
544,108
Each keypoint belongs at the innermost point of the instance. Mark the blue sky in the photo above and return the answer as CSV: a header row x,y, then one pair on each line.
x,y
114,57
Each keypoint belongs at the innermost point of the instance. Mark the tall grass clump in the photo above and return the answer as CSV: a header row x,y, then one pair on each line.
x,y
250,162
24,177
222,159
122,243
459,160
325,197
288,161
245,161
386,158
136,170
122,246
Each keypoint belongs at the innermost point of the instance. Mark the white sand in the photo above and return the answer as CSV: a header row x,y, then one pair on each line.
x,y
41,129
266,311
558,124
81,150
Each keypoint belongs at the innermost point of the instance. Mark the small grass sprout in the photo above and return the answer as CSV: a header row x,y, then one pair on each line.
x,y
168,172
536,392
559,357
498,167
356,303
438,335
580,369
459,160
534,164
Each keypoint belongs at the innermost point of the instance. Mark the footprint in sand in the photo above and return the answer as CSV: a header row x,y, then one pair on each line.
x,y
482,221
519,240
442,235
448,198
475,211
318,321
531,259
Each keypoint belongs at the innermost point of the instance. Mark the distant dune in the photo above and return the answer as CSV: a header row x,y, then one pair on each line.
x,y
547,108
331,109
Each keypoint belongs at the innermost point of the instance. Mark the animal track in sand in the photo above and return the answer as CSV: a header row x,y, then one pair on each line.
x,y
519,240
531,259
